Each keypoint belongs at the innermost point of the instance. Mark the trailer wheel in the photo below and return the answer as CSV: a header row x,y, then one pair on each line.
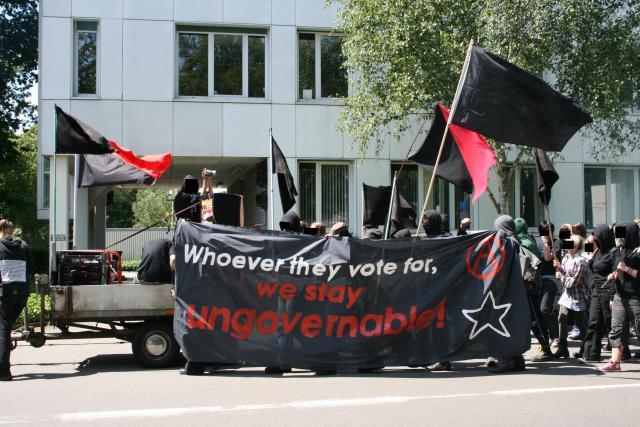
x,y
37,340
154,345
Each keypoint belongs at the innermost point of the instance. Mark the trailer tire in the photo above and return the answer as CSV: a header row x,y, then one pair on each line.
x,y
154,345
37,340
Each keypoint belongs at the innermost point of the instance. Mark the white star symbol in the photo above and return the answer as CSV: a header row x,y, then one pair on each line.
x,y
503,329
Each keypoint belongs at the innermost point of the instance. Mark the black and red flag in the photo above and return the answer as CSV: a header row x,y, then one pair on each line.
x,y
466,156
547,175
506,103
121,166
73,136
286,185
102,161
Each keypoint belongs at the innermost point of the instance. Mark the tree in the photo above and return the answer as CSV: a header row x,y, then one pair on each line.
x,y
18,202
119,212
407,54
151,206
18,64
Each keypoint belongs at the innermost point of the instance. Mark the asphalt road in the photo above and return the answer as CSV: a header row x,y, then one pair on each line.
x,y
97,382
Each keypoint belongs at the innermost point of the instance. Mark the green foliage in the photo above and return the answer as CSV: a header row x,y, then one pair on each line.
x,y
33,310
151,206
119,212
130,265
18,200
18,64
408,54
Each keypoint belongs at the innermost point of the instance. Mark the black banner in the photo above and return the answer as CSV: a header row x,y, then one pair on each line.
x,y
292,300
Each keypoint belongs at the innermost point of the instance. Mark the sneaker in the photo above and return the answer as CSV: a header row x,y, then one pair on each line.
x,y
6,376
439,366
637,355
562,351
491,362
555,343
611,367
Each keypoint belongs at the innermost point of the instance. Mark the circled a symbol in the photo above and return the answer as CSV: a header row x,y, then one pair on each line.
x,y
486,259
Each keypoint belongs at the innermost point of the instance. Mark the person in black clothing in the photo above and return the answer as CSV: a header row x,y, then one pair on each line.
x,y
155,265
16,266
626,303
189,196
547,272
601,292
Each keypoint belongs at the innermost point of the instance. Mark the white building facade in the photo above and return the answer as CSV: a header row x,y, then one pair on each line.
x,y
207,79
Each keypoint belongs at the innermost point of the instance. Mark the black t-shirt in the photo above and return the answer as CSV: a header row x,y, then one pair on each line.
x,y
546,268
154,266
627,286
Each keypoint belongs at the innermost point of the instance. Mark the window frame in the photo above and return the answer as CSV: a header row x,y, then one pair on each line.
x,y
422,192
74,85
317,99
609,189
211,64
318,190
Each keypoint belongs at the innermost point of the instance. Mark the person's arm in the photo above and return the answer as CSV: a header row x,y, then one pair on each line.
x,y
579,277
547,252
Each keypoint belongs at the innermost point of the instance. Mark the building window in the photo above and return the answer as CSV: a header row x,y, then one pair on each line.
x,y
523,201
595,196
46,176
407,184
609,195
622,195
321,71
86,60
325,192
221,62
413,184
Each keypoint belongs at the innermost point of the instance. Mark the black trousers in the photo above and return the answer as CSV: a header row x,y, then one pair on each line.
x,y
10,309
578,316
599,325
547,299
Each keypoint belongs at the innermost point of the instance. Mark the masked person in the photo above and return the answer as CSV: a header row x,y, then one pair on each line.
x,y
507,226
534,294
626,302
16,265
156,262
602,291
551,248
187,204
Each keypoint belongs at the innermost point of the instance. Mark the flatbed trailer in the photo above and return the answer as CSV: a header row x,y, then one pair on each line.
x,y
140,314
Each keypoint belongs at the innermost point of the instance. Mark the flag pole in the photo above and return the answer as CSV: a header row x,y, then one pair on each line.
x,y
393,194
53,247
456,98
76,179
270,171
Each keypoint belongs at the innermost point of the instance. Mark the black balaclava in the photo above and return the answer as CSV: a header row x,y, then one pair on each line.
x,y
606,240
293,220
433,223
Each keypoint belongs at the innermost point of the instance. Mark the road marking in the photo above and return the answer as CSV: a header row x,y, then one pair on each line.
x,y
303,404
558,389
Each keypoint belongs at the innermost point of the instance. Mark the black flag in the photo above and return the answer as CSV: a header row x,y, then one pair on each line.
x,y
376,208
73,136
506,103
286,186
547,175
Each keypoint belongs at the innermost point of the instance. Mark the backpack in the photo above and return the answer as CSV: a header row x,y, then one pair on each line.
x,y
529,264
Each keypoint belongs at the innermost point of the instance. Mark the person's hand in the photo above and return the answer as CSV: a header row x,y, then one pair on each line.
x,y
556,263
621,266
610,305
613,276
558,275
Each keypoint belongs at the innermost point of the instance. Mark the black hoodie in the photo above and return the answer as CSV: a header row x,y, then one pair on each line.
x,y
187,196
293,220
16,267
432,223
626,285
602,264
